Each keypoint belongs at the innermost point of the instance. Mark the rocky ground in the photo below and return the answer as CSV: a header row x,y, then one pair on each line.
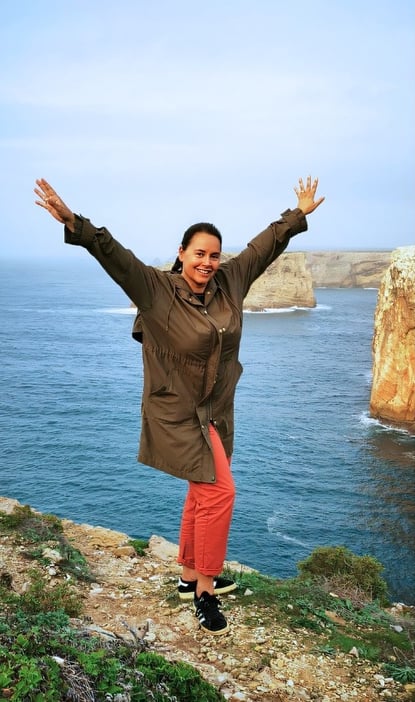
x,y
254,662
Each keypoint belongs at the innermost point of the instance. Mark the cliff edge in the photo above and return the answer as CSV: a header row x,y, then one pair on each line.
x,y
261,659
393,387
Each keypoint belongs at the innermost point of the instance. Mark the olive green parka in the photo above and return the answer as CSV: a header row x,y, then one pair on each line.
x,y
190,349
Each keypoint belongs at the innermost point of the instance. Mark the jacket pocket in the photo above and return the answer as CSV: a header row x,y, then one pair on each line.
x,y
171,403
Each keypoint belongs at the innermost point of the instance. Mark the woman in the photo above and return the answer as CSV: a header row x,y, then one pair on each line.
x,y
190,324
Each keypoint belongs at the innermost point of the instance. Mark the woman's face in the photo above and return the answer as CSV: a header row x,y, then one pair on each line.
x,y
200,260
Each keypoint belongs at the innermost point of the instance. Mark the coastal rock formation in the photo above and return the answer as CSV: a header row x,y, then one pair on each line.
x,y
286,283
347,269
393,388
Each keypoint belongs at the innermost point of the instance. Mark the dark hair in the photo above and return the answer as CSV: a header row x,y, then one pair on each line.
x,y
200,227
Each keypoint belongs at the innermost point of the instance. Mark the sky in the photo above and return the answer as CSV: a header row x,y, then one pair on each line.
x,y
149,116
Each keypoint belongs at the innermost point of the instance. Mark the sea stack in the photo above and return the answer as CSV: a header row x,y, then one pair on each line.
x,y
286,283
393,388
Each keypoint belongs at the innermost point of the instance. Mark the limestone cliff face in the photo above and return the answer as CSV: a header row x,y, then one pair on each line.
x,y
347,269
393,388
286,283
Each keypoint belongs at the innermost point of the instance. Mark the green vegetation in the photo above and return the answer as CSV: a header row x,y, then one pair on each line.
x,y
43,658
348,570
41,598
38,531
334,600
336,603
139,545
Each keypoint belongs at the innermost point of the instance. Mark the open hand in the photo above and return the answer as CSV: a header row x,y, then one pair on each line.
x,y
50,200
306,195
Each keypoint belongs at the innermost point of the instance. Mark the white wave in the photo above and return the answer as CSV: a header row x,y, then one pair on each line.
x,y
289,539
369,377
322,307
369,421
120,310
273,528
282,310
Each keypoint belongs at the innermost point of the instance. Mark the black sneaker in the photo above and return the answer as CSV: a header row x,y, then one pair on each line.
x,y
187,588
209,615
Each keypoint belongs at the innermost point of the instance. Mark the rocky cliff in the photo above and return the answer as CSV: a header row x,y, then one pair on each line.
x,y
286,283
347,269
393,388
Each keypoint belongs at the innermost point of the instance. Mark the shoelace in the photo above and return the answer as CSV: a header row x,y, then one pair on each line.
x,y
208,607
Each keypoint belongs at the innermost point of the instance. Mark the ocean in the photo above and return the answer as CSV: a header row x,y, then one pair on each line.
x,y
310,466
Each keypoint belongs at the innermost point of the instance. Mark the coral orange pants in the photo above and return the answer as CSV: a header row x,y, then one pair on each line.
x,y
207,515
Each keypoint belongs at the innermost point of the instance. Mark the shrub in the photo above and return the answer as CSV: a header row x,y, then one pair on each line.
x,y
139,545
362,572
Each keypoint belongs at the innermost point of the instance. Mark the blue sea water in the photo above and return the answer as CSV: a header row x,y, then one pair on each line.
x,y
311,467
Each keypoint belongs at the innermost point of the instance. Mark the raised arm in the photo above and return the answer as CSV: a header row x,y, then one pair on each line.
x,y
138,280
242,270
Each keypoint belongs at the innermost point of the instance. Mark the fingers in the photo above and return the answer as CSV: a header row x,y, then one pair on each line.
x,y
45,192
44,185
41,204
45,189
39,194
308,187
